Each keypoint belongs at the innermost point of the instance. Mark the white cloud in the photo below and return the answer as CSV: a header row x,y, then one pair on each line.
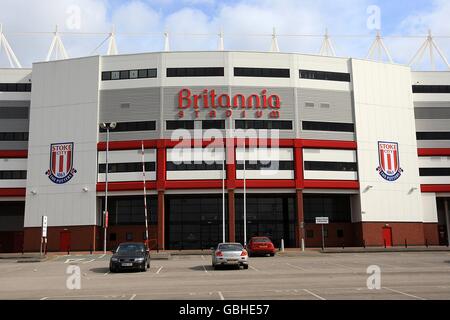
x,y
238,20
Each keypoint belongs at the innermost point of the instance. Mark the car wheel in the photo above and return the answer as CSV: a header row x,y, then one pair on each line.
x,y
272,254
112,270
245,266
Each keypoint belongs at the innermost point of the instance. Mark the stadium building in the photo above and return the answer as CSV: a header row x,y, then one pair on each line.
x,y
364,143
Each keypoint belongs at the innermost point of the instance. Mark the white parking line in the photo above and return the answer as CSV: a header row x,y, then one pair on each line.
x,y
84,262
296,267
44,298
106,273
404,293
204,268
73,260
203,257
133,296
159,270
221,296
102,256
252,267
313,294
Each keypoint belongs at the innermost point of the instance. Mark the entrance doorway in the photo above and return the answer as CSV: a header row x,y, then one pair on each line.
x,y
194,221
387,236
64,241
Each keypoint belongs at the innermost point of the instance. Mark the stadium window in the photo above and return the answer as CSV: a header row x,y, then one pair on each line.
x,y
431,89
13,175
340,233
324,75
132,126
179,124
129,236
264,124
269,165
112,237
310,234
126,167
115,75
330,166
195,72
262,72
13,136
437,135
124,75
328,126
434,172
213,124
15,87
134,74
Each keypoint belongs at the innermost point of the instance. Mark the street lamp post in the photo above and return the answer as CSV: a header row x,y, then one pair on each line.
x,y
107,127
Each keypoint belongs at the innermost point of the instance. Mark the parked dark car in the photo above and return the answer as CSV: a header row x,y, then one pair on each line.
x,y
130,256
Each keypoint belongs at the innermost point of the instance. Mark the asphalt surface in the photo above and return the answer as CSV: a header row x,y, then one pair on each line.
x,y
310,276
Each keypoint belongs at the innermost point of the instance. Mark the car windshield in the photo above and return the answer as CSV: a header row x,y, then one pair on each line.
x,y
130,248
261,240
230,247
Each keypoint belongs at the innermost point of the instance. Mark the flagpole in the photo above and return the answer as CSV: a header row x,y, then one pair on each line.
x,y
145,196
245,200
223,197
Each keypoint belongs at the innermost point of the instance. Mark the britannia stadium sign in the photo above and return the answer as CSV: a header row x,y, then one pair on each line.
x,y
210,102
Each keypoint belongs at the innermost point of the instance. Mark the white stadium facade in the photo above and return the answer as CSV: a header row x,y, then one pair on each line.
x,y
290,137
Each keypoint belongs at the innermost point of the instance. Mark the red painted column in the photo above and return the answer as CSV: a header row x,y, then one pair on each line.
x,y
160,187
231,217
300,230
298,160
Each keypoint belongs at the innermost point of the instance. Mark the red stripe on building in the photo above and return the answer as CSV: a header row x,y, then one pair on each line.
x,y
283,143
12,154
435,187
433,152
389,161
13,192
331,184
395,160
383,164
125,186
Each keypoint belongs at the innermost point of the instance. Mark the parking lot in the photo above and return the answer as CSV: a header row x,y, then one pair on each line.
x,y
308,276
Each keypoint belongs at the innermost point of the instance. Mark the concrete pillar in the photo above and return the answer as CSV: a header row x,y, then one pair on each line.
x,y
300,231
161,222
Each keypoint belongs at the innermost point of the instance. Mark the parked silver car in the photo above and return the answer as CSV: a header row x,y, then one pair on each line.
x,y
229,254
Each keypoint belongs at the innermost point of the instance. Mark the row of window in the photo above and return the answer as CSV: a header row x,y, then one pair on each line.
x,y
434,172
129,74
13,136
13,175
126,167
220,72
15,87
266,165
133,126
249,165
436,135
193,166
239,124
331,166
431,89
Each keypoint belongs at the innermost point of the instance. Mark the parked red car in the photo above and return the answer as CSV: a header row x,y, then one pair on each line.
x,y
260,246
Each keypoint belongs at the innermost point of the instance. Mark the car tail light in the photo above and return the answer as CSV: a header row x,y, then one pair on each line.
x,y
244,253
219,254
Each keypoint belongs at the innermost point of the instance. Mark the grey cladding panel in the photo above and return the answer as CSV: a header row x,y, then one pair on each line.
x,y
340,105
432,113
13,145
14,112
423,125
138,104
14,125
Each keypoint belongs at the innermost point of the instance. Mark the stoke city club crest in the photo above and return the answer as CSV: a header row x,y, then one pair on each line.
x,y
61,163
389,161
